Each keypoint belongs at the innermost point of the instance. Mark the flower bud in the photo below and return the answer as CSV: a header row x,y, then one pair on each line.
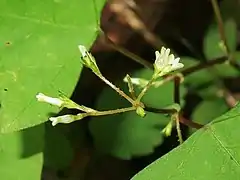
x,y
140,111
53,101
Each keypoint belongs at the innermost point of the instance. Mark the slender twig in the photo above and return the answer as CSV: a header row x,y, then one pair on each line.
x,y
128,54
220,24
119,91
109,112
177,82
144,90
204,65
179,133
230,99
80,116
159,111
182,119
104,113
190,123
167,79
222,33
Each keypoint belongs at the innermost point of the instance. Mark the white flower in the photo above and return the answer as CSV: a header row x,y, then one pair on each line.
x,y
53,101
166,62
62,119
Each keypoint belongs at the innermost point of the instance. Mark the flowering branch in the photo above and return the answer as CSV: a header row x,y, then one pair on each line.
x,y
68,103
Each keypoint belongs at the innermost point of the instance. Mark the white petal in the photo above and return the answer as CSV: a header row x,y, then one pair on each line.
x,y
157,54
54,101
175,61
171,59
163,50
54,121
166,54
159,60
177,66
82,50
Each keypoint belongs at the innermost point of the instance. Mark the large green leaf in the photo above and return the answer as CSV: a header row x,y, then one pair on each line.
x,y
212,40
127,135
21,154
211,153
39,53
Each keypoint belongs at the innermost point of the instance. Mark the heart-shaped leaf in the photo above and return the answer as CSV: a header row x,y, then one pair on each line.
x,y
213,152
39,53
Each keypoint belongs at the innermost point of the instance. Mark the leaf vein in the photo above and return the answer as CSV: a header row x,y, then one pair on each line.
x,y
224,148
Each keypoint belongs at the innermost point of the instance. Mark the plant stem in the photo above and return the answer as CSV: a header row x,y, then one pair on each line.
x,y
160,111
220,24
177,82
167,79
204,65
119,91
190,123
129,54
144,90
182,119
178,128
109,112
229,98
104,113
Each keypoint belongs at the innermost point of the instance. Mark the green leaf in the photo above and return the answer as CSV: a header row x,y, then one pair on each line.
x,y
21,154
208,110
39,53
212,152
58,152
127,135
210,92
212,40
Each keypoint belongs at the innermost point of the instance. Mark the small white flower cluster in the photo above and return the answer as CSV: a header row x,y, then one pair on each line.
x,y
165,62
